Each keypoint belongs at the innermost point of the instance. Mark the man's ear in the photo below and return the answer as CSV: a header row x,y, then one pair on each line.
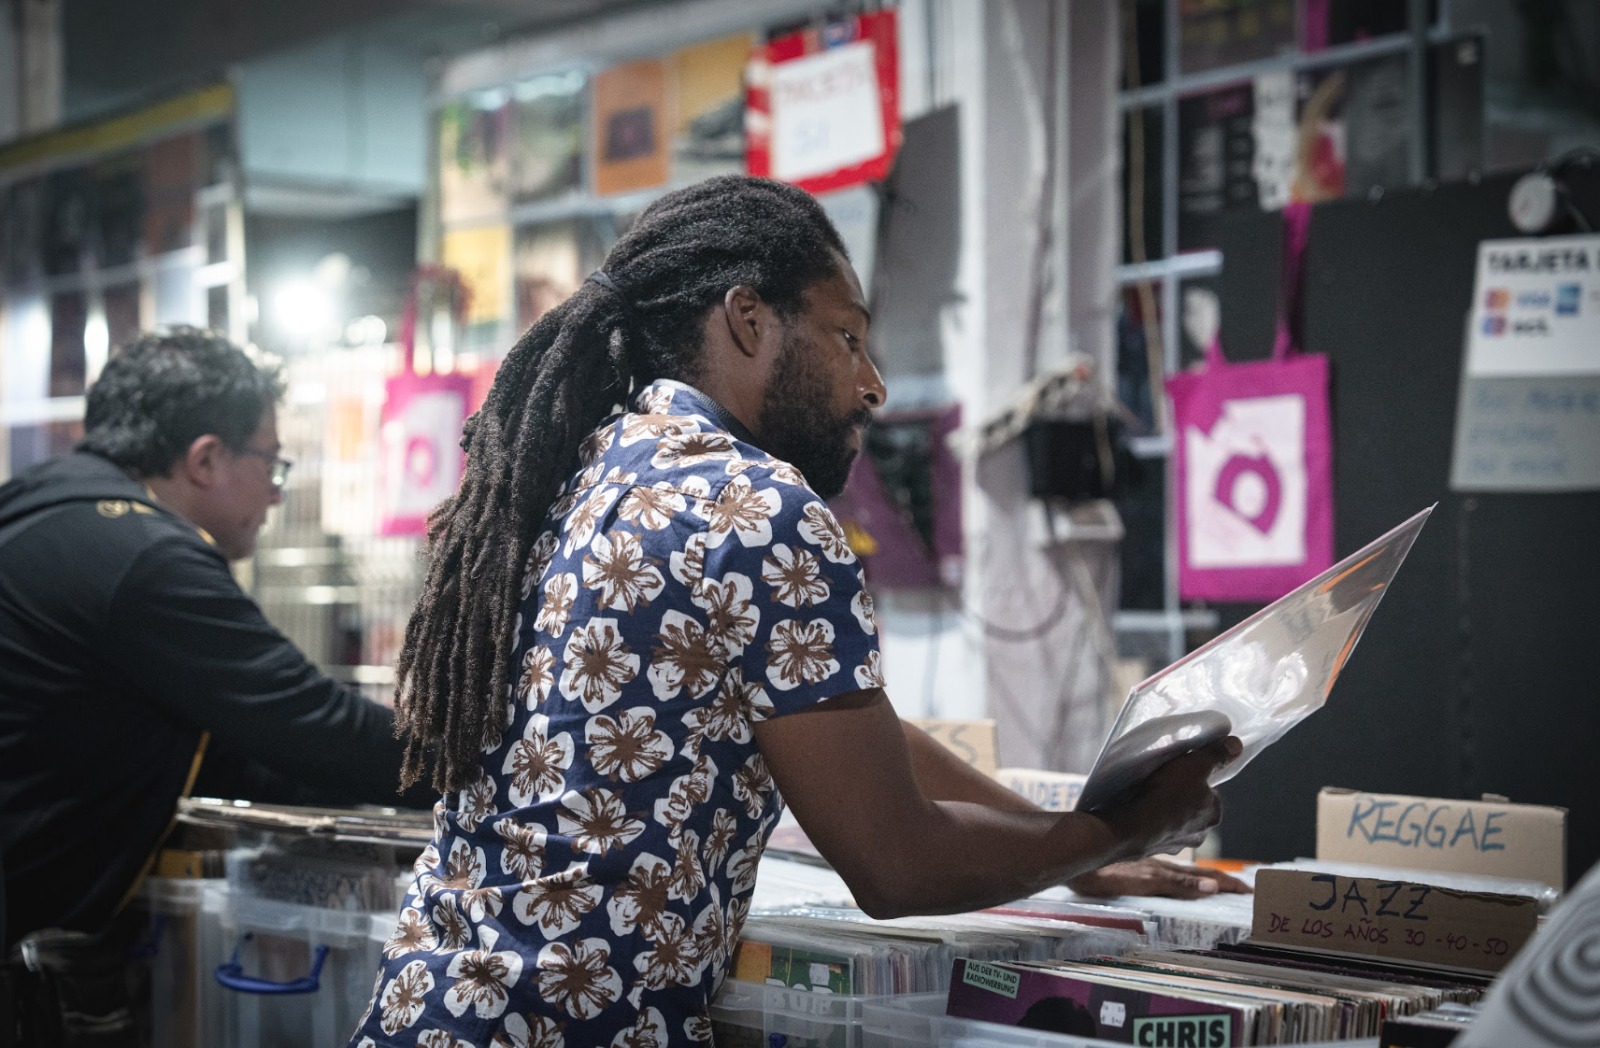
x,y
201,461
748,317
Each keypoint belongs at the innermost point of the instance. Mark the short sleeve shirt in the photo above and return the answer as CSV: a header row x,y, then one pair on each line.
x,y
588,889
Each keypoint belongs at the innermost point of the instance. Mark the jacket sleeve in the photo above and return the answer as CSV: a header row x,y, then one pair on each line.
x,y
183,633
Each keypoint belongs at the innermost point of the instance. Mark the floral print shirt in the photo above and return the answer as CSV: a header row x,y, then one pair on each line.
x,y
588,889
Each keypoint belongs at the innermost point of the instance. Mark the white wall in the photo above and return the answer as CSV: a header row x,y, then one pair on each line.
x,y
934,657
1025,650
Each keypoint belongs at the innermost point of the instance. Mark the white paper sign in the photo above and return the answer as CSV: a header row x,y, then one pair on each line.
x,y
1536,308
1528,434
826,112
1246,496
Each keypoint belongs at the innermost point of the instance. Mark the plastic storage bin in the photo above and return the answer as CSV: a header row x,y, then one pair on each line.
x,y
295,975
750,1015
186,943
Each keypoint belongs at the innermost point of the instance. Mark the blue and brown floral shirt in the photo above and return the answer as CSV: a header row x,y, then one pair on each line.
x,y
588,889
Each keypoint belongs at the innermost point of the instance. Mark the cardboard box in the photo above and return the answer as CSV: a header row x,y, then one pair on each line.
x,y
1494,837
975,741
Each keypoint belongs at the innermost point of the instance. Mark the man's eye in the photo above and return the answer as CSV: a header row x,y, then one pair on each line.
x,y
848,337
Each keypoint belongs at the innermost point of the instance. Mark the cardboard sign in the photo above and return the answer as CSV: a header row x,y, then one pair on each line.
x,y
1058,791
975,741
1521,841
1403,920
1050,790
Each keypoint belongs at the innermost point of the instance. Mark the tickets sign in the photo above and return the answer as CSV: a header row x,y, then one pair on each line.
x,y
822,109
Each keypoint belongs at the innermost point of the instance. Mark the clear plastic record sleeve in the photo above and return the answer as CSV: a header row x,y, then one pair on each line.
x,y
1255,681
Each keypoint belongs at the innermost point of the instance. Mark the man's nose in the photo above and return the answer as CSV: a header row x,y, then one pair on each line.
x,y
873,392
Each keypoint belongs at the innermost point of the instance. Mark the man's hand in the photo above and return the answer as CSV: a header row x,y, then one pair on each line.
x,y
1175,806
1156,877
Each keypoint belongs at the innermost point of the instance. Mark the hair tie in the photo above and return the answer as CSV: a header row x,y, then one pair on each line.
x,y
603,278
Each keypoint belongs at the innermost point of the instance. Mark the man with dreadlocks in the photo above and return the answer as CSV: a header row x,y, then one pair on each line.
x,y
638,628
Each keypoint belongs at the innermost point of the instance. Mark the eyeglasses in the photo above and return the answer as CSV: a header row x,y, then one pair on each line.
x,y
280,465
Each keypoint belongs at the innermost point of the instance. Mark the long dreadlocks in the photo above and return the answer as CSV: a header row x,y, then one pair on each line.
x,y
562,378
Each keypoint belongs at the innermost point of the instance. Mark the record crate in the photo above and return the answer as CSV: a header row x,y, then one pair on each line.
x,y
919,1020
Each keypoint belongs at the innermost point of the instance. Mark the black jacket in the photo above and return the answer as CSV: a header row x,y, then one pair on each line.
x,y
123,637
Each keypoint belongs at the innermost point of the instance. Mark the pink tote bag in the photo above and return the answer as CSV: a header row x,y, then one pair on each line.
x,y
1253,462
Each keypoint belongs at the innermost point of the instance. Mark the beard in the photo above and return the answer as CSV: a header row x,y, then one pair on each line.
x,y
798,425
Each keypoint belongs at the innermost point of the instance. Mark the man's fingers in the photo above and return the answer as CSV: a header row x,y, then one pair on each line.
x,y
1229,883
1175,883
1222,883
1225,751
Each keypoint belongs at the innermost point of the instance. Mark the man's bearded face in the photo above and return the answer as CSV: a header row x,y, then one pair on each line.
x,y
799,422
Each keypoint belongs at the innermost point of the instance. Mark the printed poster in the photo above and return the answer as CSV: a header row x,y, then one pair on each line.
x,y
1285,137
708,85
474,158
1216,165
482,255
630,127
822,105
1353,130
547,136
551,260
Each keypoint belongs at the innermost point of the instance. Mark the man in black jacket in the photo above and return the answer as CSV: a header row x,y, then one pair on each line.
x,y
133,668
